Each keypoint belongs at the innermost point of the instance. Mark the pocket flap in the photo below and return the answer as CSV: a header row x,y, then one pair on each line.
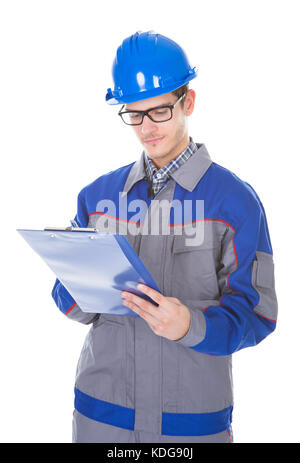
x,y
184,243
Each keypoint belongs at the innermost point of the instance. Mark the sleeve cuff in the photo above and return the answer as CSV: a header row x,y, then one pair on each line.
x,y
197,329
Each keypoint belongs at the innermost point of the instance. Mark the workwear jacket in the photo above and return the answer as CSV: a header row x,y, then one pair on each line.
x,y
129,377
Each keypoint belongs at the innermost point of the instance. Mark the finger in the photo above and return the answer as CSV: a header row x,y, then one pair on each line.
x,y
174,299
146,306
147,316
157,297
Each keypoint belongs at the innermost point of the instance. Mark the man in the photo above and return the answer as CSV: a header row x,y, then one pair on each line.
x,y
165,375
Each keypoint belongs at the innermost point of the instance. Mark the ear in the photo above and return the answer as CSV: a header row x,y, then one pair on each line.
x,y
189,102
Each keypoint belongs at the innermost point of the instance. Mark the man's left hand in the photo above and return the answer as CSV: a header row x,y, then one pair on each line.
x,y
170,319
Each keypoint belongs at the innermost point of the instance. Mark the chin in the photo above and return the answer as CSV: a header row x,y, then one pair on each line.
x,y
156,151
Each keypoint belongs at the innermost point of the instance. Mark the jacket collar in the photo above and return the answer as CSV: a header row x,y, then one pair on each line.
x,y
187,175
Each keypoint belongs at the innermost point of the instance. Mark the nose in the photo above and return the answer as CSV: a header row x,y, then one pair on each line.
x,y
148,126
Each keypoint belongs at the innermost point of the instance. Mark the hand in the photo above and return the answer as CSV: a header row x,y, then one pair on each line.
x,y
170,319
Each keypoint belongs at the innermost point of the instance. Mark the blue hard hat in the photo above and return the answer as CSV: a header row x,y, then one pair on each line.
x,y
147,65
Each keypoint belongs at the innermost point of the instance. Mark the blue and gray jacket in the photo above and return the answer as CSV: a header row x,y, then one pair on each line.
x,y
129,377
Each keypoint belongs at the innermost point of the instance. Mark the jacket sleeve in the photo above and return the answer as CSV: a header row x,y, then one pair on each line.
x,y
63,299
246,311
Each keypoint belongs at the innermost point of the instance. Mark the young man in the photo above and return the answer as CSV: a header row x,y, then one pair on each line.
x,y
165,376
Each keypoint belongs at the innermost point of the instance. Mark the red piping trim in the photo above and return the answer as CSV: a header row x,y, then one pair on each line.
x,y
170,225
236,258
237,264
72,306
193,221
229,434
270,319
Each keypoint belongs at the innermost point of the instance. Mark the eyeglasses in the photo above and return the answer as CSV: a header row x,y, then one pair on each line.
x,y
159,114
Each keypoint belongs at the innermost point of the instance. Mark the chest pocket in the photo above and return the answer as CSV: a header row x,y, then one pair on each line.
x,y
193,274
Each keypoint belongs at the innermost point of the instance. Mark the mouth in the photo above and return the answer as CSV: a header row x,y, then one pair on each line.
x,y
153,141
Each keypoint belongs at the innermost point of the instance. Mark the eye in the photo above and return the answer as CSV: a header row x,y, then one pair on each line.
x,y
160,112
134,116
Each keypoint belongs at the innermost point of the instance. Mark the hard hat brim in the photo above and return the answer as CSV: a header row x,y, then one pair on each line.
x,y
113,99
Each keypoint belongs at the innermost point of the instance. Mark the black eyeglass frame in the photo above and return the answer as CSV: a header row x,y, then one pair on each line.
x,y
146,113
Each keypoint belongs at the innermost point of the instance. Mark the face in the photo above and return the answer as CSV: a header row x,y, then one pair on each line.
x,y
163,141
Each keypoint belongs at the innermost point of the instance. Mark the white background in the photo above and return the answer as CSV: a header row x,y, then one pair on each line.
x,y
58,134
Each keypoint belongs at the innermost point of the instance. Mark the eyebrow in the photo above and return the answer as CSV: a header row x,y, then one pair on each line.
x,y
154,107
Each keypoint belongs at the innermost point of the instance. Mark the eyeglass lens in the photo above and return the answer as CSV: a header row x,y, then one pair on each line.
x,y
158,115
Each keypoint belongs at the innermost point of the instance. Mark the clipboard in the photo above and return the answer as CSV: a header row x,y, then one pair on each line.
x,y
94,267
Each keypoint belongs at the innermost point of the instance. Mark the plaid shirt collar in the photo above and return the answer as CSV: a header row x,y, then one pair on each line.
x,y
159,177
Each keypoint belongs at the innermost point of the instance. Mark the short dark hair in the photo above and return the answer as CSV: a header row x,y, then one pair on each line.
x,y
180,91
